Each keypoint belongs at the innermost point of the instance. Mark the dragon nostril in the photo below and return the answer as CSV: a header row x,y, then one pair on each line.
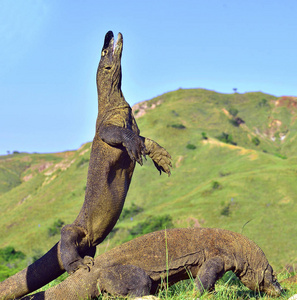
x,y
107,68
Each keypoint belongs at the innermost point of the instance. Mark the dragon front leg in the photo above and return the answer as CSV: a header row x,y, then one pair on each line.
x,y
159,155
125,280
210,271
72,259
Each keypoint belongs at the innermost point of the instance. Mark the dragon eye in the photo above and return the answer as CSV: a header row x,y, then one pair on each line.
x,y
104,52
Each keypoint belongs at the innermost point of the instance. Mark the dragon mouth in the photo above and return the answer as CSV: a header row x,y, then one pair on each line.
x,y
109,44
108,41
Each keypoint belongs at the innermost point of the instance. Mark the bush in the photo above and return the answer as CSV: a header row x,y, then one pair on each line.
x,y
151,224
175,113
131,212
215,185
263,103
55,228
9,262
226,210
113,232
226,138
37,254
234,122
6,272
178,126
233,111
191,147
280,156
204,136
9,254
82,162
255,141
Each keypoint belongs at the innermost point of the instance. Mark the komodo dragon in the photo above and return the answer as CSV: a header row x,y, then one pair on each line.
x,y
116,147
140,266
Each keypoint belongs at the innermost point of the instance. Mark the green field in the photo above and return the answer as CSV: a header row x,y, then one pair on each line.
x,y
234,167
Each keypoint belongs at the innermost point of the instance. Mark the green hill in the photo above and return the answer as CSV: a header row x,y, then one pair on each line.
x,y
234,167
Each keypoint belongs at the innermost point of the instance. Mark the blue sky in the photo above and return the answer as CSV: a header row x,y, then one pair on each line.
x,y
50,51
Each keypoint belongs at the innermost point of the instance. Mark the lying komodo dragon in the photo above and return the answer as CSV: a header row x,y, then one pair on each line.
x,y
116,147
140,266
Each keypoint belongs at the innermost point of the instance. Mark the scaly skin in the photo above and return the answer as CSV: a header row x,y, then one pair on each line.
x,y
116,147
141,266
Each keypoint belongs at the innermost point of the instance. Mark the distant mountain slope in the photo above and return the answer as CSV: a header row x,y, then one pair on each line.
x,y
21,167
235,167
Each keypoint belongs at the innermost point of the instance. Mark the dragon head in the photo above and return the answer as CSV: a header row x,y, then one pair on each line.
x,y
109,74
269,283
262,281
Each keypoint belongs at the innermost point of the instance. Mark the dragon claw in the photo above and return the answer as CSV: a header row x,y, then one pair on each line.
x,y
85,263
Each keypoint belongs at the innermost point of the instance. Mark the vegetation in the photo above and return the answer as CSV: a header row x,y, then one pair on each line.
x,y
36,190
216,185
55,228
10,254
233,111
234,122
178,126
10,261
228,287
131,212
150,224
204,136
255,141
263,103
191,147
226,138
83,161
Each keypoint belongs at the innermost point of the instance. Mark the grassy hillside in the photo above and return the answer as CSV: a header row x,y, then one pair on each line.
x,y
234,167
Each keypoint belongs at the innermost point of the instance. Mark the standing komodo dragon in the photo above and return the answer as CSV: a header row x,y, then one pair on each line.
x,y
139,267
116,147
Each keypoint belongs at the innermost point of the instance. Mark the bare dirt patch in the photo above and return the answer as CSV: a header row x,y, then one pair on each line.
x,y
141,108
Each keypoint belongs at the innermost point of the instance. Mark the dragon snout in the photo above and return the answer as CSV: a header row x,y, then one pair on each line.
x,y
275,289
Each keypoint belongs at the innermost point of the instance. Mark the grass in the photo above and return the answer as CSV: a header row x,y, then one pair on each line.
x,y
228,287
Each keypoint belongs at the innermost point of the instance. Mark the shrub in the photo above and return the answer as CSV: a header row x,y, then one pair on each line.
x,y
9,254
222,174
175,113
55,228
215,185
226,138
281,156
151,224
234,122
37,254
131,212
226,210
113,232
233,111
191,147
6,272
204,137
9,261
263,103
178,126
255,141
82,162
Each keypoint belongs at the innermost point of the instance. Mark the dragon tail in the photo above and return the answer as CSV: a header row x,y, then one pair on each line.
x,y
38,274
